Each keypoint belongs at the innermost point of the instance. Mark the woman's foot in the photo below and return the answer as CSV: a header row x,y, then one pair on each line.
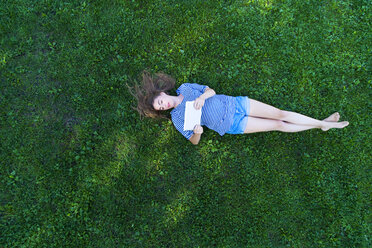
x,y
335,117
329,125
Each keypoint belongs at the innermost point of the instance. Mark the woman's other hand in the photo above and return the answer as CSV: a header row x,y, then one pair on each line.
x,y
199,103
198,129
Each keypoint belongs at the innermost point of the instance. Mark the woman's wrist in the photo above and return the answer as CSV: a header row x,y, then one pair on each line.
x,y
203,96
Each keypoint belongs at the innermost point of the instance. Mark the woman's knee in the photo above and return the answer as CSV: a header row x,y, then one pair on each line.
x,y
280,125
278,114
282,114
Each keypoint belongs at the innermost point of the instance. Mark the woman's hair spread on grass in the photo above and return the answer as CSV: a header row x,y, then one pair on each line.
x,y
150,88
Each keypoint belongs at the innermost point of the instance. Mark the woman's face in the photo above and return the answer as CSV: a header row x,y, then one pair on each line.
x,y
163,102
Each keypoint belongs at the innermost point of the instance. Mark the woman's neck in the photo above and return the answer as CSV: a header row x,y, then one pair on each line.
x,y
178,99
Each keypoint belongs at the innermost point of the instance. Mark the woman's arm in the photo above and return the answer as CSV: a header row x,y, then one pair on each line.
x,y
199,102
195,138
208,93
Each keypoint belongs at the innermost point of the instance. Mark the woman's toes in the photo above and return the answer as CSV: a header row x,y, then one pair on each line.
x,y
336,116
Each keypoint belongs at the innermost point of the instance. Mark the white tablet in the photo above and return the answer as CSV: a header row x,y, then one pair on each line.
x,y
192,116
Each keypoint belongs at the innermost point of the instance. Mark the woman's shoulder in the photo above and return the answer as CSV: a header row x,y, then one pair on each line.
x,y
182,87
190,88
193,86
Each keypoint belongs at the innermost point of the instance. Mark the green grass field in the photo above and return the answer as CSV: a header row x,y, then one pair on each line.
x,y
79,168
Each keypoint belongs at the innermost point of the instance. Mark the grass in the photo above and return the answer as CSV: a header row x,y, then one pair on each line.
x,y
81,169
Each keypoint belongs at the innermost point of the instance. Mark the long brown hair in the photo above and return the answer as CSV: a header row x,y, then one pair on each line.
x,y
150,88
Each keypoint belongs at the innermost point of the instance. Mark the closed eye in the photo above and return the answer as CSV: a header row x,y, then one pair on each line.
x,y
159,104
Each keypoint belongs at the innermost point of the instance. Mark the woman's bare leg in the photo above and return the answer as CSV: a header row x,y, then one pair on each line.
x,y
263,110
255,125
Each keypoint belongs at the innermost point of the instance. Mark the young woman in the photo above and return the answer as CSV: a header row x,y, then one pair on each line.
x,y
221,113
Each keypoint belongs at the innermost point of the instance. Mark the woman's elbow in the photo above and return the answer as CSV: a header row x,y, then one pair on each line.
x,y
212,91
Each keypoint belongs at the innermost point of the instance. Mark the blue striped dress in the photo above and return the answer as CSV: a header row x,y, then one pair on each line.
x,y
217,113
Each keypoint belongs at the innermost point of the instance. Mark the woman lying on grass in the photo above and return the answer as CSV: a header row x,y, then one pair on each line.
x,y
221,113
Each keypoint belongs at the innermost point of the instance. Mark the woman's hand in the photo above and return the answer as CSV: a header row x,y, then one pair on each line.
x,y
198,129
199,103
